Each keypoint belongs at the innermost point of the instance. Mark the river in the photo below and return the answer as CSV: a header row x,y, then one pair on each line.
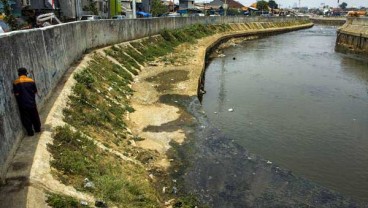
x,y
297,103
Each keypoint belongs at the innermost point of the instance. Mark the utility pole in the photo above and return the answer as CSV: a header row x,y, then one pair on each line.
x,y
134,9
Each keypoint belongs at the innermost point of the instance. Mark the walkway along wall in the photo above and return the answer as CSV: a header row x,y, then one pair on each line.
x,y
352,37
49,53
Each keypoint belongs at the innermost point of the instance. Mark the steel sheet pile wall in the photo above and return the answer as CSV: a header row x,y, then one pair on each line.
x,y
352,37
49,52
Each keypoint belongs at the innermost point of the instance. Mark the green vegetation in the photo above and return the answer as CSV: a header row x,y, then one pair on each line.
x,y
100,100
158,8
96,109
59,201
9,17
262,5
118,182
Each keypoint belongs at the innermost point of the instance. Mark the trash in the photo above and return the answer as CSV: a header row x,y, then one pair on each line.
x,y
269,162
175,190
174,180
84,203
151,176
215,112
109,89
153,64
164,189
231,110
99,203
221,55
88,183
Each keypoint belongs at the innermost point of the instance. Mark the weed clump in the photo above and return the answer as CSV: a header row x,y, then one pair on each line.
x,y
60,201
118,182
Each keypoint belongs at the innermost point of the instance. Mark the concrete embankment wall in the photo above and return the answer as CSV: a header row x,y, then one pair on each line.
x,y
352,37
49,53
333,21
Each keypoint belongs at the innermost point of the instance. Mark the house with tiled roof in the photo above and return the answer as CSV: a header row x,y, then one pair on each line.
x,y
231,4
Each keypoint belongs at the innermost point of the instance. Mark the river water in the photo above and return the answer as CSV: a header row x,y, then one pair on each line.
x,y
297,103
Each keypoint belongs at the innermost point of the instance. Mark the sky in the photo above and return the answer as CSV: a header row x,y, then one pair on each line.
x,y
308,3
312,3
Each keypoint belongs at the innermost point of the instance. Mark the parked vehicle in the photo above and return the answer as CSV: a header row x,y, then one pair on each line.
x,y
90,17
48,19
4,27
118,17
141,14
173,15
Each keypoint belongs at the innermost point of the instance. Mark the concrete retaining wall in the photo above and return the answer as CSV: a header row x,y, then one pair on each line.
x,y
333,21
49,53
352,37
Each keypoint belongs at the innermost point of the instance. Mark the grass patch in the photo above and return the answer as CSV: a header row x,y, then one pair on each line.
x,y
117,182
99,101
60,201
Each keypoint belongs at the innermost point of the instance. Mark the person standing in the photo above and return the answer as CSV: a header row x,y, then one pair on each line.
x,y
24,89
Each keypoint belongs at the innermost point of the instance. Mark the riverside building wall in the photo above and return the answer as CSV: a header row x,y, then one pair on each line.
x,y
49,52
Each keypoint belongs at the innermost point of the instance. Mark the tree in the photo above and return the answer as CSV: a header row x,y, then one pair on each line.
x,y
9,17
262,5
273,4
158,8
343,5
91,7
232,12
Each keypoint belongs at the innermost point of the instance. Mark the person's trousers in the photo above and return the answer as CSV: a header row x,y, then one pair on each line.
x,y
30,120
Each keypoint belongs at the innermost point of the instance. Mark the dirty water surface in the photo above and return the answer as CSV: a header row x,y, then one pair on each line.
x,y
297,104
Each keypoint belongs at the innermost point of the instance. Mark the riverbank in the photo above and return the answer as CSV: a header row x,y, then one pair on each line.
x,y
333,21
160,130
352,37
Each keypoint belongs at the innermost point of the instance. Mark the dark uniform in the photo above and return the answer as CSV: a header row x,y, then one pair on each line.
x,y
25,90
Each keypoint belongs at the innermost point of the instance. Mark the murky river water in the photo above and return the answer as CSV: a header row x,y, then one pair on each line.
x,y
296,103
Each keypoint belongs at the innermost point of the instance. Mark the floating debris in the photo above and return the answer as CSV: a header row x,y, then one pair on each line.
x,y
269,162
221,55
231,110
